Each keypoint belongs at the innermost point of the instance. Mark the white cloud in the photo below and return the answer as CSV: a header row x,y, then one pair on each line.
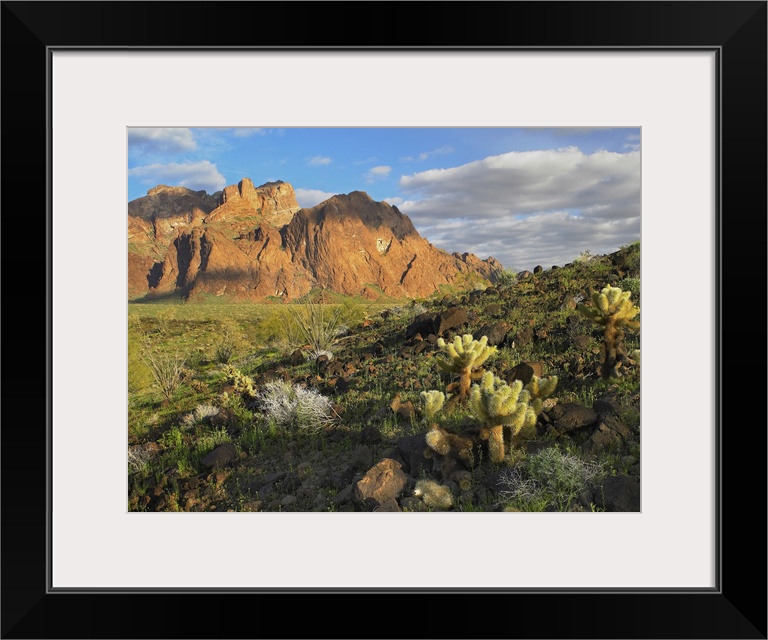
x,y
395,201
377,173
318,161
310,197
160,140
424,155
247,132
193,175
529,208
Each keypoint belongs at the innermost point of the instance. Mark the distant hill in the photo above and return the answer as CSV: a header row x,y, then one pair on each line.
x,y
250,243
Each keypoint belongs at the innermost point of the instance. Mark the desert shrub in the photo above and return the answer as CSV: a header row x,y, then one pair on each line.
x,y
506,278
314,323
167,369
139,457
201,414
209,441
313,355
293,406
550,478
224,349
632,285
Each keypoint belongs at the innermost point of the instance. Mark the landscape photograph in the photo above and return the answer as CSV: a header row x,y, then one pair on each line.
x,y
384,319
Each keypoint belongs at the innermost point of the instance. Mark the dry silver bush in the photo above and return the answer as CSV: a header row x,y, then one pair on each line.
x,y
551,476
292,406
139,457
201,414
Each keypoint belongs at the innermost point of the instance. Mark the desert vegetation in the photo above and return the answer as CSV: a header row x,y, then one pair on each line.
x,y
520,396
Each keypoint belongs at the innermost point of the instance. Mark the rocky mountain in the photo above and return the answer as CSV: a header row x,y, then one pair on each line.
x,y
251,242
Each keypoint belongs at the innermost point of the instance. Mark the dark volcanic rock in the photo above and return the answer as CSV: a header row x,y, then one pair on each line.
x,y
572,416
221,455
496,332
619,493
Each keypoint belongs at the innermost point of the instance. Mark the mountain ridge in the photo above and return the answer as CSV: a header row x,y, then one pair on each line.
x,y
253,243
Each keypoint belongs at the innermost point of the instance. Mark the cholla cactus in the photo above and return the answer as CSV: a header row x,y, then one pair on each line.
x,y
465,356
431,403
446,443
243,384
538,389
614,311
500,405
434,494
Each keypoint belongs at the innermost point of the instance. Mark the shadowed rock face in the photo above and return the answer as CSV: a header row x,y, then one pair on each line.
x,y
154,221
258,243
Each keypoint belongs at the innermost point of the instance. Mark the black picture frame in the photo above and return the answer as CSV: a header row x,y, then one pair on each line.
x,y
735,609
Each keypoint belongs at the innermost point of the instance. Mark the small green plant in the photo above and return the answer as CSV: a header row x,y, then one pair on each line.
x,y
612,310
172,439
465,356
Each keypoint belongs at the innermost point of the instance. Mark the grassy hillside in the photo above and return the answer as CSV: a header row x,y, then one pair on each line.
x,y
321,406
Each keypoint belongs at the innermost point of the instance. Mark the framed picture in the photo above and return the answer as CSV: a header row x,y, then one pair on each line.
x,y
690,77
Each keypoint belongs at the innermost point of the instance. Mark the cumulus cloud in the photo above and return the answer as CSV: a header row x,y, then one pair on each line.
x,y
160,140
310,197
529,208
247,132
318,161
395,201
193,175
377,173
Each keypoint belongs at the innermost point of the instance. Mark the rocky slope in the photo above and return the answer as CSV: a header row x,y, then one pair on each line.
x,y
256,243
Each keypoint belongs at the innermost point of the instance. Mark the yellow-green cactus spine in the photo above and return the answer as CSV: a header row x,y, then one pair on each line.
x,y
500,405
434,494
243,384
446,443
431,403
465,356
538,389
614,311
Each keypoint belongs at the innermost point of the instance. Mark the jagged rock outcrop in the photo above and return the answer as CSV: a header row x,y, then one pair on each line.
x,y
156,220
274,202
258,243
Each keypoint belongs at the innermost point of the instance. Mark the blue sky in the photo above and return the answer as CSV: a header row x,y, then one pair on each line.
x,y
526,196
